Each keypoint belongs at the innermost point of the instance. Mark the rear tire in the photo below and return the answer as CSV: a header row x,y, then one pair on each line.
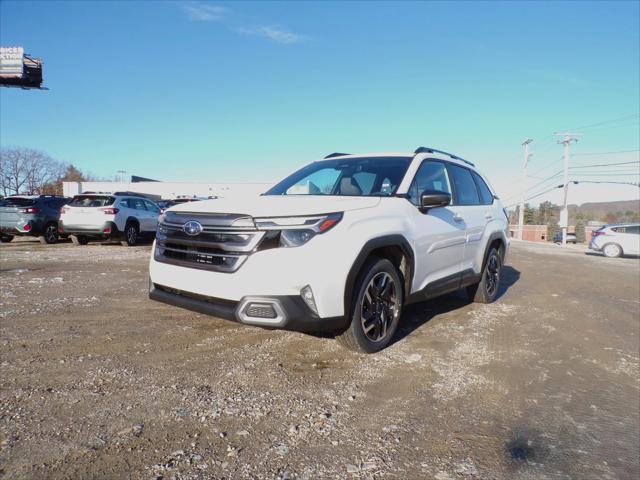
x,y
51,235
486,290
131,235
79,239
6,238
376,307
612,250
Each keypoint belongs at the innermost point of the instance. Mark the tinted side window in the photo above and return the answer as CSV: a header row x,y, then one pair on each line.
x,y
124,203
633,229
151,206
464,188
431,175
137,203
486,197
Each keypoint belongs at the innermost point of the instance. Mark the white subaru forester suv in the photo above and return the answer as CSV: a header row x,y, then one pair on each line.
x,y
337,247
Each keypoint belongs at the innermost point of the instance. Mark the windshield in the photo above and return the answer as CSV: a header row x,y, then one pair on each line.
x,y
357,177
91,201
17,202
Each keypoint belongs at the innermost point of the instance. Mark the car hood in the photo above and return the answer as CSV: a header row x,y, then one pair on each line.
x,y
279,205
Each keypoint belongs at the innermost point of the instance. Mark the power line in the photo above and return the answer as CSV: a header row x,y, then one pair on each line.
x,y
605,174
535,186
545,167
536,195
606,122
616,183
607,127
593,165
605,153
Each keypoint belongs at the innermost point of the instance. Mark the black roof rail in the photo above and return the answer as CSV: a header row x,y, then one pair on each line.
x,y
433,150
336,154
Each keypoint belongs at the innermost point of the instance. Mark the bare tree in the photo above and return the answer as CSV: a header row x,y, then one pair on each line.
x,y
25,170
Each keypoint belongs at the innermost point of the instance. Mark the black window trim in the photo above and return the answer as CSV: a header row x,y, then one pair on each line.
x,y
454,194
454,199
493,197
424,160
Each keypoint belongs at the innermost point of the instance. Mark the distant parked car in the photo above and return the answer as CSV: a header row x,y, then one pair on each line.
x,y
164,204
617,240
571,238
102,217
31,215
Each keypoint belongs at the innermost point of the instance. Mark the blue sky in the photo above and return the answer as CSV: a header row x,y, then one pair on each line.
x,y
248,91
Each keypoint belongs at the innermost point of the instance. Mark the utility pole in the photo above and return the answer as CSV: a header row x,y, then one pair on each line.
x,y
567,138
524,180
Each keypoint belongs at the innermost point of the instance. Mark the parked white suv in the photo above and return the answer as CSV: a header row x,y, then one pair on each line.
x,y
119,216
339,246
616,240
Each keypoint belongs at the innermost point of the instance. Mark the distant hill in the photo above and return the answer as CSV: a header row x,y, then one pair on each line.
x,y
623,211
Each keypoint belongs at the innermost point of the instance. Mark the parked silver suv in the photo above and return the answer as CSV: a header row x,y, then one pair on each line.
x,y
617,240
31,215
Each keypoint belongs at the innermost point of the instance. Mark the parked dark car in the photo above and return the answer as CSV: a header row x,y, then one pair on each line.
x,y
571,238
31,215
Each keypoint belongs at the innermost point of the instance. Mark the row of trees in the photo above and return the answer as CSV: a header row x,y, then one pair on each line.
x,y
548,214
25,170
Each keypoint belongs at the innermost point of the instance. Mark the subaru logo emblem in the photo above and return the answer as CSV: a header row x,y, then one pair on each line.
x,y
192,228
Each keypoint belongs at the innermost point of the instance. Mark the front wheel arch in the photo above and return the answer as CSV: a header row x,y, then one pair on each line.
x,y
369,249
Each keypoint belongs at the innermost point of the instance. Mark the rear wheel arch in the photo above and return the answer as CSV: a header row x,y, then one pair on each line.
x,y
396,249
132,220
497,241
619,252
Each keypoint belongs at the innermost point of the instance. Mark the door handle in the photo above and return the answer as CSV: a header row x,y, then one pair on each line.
x,y
458,218
488,216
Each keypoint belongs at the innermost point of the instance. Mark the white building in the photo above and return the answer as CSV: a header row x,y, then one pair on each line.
x,y
168,190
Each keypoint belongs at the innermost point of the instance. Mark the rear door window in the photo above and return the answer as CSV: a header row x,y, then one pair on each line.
x,y
137,203
152,207
486,197
465,191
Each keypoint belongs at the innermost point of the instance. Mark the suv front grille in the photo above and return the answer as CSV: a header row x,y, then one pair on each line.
x,y
220,246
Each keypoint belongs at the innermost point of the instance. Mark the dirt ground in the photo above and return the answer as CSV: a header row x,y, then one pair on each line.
x,y
97,381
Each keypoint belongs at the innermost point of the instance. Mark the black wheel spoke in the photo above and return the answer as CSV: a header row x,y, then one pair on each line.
x,y
378,307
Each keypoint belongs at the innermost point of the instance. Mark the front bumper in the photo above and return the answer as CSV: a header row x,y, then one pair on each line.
x,y
289,311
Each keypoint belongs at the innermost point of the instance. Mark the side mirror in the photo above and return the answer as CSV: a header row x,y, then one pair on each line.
x,y
433,199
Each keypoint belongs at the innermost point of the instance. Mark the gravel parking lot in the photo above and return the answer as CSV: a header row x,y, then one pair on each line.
x,y
99,382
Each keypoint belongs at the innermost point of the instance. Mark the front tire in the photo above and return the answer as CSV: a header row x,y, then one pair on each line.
x,y
486,291
131,234
6,238
50,235
375,308
612,250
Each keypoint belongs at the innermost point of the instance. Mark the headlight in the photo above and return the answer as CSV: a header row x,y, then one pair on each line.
x,y
296,231
295,238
